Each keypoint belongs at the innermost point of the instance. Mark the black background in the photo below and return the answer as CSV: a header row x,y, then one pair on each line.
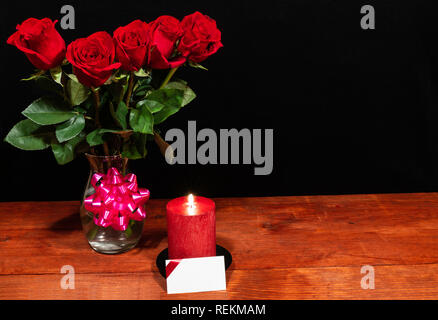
x,y
353,111
275,309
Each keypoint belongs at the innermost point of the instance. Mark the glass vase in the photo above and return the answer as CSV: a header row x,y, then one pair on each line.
x,y
106,239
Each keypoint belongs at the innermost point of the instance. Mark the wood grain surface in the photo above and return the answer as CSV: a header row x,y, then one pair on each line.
x,y
307,247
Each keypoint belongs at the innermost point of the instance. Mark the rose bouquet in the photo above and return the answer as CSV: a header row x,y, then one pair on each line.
x,y
106,95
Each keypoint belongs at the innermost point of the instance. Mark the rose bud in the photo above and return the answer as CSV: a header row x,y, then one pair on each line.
x,y
40,42
131,42
164,32
92,58
201,37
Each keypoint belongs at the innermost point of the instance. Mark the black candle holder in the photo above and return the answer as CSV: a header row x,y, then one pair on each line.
x,y
163,256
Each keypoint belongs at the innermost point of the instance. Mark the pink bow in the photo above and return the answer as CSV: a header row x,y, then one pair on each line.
x,y
117,199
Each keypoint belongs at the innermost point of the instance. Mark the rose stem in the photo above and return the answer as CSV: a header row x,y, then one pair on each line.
x,y
129,92
96,106
168,77
96,120
130,86
162,145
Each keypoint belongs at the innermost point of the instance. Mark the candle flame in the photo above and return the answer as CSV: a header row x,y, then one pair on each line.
x,y
191,204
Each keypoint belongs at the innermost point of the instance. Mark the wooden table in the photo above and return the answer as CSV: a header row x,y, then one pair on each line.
x,y
308,247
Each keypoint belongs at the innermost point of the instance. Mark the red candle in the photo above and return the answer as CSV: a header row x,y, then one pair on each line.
x,y
191,227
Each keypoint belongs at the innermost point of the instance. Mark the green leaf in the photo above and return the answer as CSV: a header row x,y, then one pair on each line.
x,y
56,74
130,151
165,113
77,92
172,99
142,87
141,120
141,93
140,141
168,97
72,76
135,148
71,128
65,152
80,110
121,113
95,137
128,231
143,82
142,73
47,111
153,106
188,95
121,76
35,75
93,231
27,135
197,65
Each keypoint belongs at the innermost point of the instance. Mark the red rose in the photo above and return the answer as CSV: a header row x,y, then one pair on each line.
x,y
164,32
40,42
92,58
201,37
131,43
